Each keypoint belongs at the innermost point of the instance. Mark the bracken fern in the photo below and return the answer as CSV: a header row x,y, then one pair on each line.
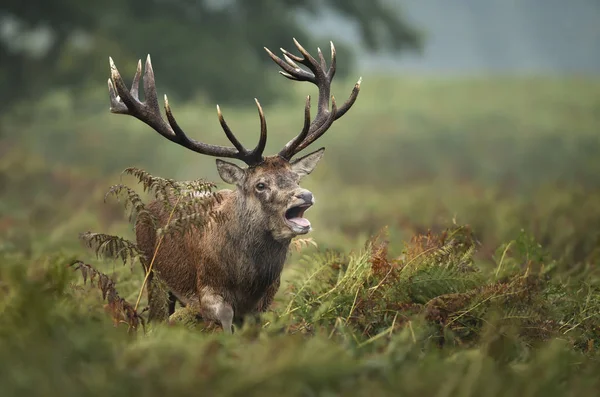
x,y
367,295
192,205
112,247
121,311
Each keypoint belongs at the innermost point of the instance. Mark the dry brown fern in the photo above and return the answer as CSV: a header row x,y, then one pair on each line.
x,y
299,244
120,310
192,205
133,201
195,213
163,188
113,247
381,265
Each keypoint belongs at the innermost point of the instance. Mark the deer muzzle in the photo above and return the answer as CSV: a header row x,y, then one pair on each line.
x,y
294,215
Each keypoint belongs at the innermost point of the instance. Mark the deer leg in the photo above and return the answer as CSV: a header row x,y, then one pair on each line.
x,y
213,306
173,299
172,302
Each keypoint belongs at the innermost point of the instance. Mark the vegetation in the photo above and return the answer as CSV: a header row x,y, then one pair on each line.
x,y
457,231
65,45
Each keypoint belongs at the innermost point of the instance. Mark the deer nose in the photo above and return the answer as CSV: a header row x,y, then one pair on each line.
x,y
306,196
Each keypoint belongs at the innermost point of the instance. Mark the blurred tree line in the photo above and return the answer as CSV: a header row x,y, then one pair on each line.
x,y
210,46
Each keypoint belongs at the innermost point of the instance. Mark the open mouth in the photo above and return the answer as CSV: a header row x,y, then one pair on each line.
x,y
295,217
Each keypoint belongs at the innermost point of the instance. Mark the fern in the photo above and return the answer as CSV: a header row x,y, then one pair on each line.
x,y
133,201
191,202
163,189
158,298
121,311
197,204
191,205
432,281
299,244
198,222
195,186
152,184
114,247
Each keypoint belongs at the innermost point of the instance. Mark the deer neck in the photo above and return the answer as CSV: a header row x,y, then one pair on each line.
x,y
251,233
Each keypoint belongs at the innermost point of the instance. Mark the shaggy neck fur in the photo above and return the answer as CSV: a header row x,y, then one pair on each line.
x,y
258,253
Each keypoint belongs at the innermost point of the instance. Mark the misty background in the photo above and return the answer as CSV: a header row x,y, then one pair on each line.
x,y
455,247
491,36
476,110
61,45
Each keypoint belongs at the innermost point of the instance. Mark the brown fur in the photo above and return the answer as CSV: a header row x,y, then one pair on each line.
x,y
232,269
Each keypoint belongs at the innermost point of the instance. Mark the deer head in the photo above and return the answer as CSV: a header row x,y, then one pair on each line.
x,y
269,194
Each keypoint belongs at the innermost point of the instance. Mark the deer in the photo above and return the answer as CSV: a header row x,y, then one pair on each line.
x,y
233,270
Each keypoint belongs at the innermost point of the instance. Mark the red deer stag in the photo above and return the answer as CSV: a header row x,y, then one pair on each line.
x,y
233,269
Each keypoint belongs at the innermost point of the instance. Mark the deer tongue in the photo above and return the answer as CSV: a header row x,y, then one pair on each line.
x,y
300,221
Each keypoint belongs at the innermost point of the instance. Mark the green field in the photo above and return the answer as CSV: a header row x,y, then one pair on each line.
x,y
457,226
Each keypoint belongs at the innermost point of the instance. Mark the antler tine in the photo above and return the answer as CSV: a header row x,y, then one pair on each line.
x,y
321,76
332,67
308,60
256,153
262,142
290,61
289,149
116,106
322,59
118,101
150,88
135,86
124,101
316,134
289,71
232,138
350,101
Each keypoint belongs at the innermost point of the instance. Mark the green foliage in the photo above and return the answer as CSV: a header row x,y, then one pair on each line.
x,y
115,247
484,339
197,47
504,306
162,187
434,154
190,205
133,201
119,308
369,295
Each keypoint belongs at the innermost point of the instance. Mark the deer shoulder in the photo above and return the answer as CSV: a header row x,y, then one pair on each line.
x,y
233,268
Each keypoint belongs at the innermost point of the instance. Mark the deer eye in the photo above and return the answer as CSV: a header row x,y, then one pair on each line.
x,y
260,186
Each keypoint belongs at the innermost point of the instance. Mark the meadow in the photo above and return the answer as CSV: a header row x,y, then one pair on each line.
x,y
456,248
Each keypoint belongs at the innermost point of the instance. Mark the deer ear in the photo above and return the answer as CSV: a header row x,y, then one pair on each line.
x,y
229,172
305,165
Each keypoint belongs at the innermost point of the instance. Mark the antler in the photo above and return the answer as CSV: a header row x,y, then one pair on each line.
x,y
124,101
322,79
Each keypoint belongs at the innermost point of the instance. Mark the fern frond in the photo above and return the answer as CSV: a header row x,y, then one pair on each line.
x,y
115,247
433,281
132,200
159,187
195,186
196,203
151,183
197,221
158,298
299,244
162,186
119,308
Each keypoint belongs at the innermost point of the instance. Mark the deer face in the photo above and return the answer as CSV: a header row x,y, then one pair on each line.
x,y
271,193
268,190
